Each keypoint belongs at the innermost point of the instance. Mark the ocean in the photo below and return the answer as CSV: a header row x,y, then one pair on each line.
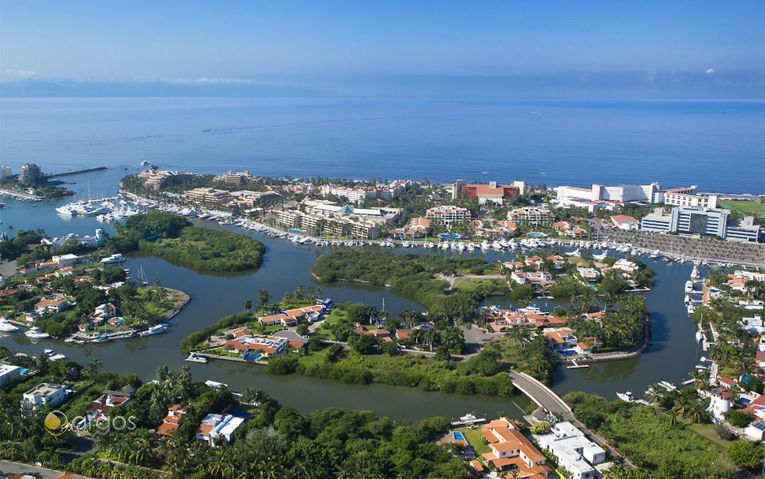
x,y
719,146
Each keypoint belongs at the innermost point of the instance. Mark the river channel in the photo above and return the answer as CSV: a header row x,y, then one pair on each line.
x,y
672,355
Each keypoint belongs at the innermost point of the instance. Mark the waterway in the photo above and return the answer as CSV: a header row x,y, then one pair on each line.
x,y
672,355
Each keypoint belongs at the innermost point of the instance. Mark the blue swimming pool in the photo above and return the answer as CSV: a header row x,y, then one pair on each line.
x,y
459,436
297,232
447,236
536,235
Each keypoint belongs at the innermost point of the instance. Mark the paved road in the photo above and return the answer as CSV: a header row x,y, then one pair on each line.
x,y
541,394
9,468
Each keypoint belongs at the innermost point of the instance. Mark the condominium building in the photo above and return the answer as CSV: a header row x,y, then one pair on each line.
x,y
530,215
448,214
208,195
235,178
745,231
685,197
657,221
5,172
154,179
617,193
30,174
711,222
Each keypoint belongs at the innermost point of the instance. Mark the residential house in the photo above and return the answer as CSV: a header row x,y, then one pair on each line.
x,y
755,431
43,394
255,345
55,305
172,421
561,338
625,222
510,449
573,450
217,428
99,409
8,372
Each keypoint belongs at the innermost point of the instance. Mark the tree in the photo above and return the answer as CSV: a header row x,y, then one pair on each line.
x,y
364,344
442,353
247,303
302,329
264,296
745,454
91,370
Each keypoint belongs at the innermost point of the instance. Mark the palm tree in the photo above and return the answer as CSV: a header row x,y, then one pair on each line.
x,y
247,303
91,369
264,296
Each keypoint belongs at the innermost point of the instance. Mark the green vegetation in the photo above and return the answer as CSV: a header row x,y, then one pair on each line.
x,y
174,239
274,442
414,277
622,326
14,247
659,444
741,208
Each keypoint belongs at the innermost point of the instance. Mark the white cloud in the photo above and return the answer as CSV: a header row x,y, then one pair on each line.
x,y
709,71
213,81
14,73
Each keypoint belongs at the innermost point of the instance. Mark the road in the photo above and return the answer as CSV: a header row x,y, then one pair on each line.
x,y
8,468
544,396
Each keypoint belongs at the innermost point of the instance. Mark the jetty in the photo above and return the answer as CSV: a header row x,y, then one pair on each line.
x,y
77,172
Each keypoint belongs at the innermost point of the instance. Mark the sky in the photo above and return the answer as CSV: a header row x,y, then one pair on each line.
x,y
392,47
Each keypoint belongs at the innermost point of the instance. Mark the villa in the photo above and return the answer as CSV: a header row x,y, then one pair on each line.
x,y
589,274
528,318
55,305
625,222
573,450
258,345
530,215
292,317
561,338
99,409
511,449
172,421
44,394
216,427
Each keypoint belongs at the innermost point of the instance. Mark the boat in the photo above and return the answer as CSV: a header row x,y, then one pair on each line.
x,y
626,396
468,420
144,163
7,327
57,357
196,358
156,329
36,333
115,258
699,336
215,385
668,385
576,252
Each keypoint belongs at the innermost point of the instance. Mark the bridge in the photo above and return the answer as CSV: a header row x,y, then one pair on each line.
x,y
546,398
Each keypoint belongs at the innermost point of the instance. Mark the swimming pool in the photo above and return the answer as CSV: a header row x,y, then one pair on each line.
x,y
297,232
459,436
537,235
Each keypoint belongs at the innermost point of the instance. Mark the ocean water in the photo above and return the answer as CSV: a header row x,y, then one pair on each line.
x,y
719,146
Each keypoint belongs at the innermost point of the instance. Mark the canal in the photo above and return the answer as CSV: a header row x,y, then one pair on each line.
x,y
672,355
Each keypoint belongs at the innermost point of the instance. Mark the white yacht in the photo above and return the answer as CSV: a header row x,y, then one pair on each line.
x,y
36,333
115,258
7,327
626,396
156,329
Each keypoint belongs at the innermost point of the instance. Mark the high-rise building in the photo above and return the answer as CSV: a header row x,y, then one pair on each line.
x,y
30,174
5,172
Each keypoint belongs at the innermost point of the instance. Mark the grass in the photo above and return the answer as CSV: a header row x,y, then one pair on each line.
x,y
708,432
476,440
746,208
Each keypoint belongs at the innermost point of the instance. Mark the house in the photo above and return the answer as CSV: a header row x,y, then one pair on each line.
x,y
43,394
417,228
8,372
582,348
65,260
760,358
291,317
561,338
725,382
755,431
403,334
511,449
378,332
257,345
626,266
172,421
105,311
99,409
51,305
216,428
589,274
573,450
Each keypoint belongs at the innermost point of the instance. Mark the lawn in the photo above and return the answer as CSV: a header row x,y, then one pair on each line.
x,y
476,440
746,208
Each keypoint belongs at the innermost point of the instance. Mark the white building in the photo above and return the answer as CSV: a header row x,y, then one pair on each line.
x,y
573,450
755,431
448,214
66,260
685,197
43,394
216,428
5,172
8,372
718,407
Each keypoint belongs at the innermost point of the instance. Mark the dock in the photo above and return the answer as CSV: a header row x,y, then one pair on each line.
x,y
575,365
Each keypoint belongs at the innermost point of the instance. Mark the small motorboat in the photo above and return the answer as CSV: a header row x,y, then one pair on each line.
x,y
626,396
6,326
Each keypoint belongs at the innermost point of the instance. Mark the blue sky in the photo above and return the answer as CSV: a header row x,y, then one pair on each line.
x,y
353,46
